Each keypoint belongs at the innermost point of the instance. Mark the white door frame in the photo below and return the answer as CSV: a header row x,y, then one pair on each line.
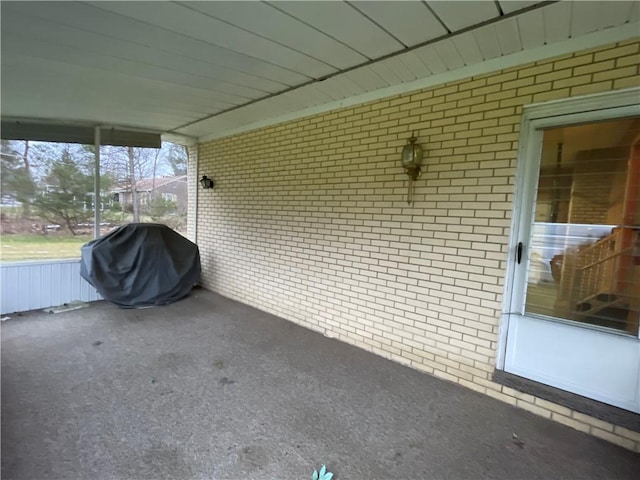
x,y
572,111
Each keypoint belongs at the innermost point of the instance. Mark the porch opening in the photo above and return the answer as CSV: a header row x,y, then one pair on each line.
x,y
50,208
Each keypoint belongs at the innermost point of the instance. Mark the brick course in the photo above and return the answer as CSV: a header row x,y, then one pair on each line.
x,y
309,219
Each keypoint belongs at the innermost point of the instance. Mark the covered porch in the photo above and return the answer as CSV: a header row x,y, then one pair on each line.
x,y
212,388
300,112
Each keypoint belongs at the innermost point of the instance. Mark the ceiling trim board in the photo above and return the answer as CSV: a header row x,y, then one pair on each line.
x,y
108,130
180,139
592,40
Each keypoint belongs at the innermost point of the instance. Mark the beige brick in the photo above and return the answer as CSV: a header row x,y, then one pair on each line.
x,y
593,67
537,88
616,73
518,101
454,112
616,52
487,89
553,407
470,85
574,62
628,82
592,88
529,407
571,82
471,101
500,95
630,41
444,91
626,433
425,95
570,422
500,112
610,437
457,96
594,422
485,107
519,83
501,78
502,397
551,95
626,61
535,70
555,75
519,395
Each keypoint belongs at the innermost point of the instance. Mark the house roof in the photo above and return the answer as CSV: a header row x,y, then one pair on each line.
x,y
147,184
210,69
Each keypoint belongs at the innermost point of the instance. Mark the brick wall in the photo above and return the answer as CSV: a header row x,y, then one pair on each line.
x,y
309,220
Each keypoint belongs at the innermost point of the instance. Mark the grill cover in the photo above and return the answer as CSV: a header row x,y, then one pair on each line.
x,y
141,265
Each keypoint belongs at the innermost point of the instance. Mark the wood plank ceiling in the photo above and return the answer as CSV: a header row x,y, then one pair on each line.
x,y
206,68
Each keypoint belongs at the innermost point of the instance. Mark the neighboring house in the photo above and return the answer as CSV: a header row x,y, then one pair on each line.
x,y
172,189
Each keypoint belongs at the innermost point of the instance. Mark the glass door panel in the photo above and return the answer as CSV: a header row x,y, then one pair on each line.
x,y
584,260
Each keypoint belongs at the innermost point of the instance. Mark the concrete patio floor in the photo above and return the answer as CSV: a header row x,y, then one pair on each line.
x,y
209,388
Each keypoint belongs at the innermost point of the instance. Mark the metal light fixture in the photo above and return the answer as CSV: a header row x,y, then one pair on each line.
x,y
206,182
412,161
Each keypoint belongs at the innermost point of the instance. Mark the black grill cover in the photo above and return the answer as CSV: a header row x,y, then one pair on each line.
x,y
141,265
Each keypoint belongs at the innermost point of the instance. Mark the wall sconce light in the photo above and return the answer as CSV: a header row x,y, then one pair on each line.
x,y
206,182
412,161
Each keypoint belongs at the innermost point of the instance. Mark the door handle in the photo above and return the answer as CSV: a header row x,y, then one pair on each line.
x,y
519,252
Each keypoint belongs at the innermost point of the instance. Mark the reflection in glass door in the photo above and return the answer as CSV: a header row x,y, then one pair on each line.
x,y
584,259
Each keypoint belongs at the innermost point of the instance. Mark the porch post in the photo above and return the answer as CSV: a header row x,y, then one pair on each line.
x,y
96,185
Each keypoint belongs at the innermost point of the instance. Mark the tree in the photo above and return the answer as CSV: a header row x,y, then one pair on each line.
x,y
177,157
133,182
66,198
159,207
155,173
129,165
15,174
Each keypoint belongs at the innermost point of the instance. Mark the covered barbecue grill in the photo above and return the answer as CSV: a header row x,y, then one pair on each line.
x,y
141,265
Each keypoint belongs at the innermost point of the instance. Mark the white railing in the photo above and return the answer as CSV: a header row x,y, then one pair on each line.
x,y
40,284
597,274
596,268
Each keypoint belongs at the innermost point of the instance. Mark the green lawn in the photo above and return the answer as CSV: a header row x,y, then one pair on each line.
x,y
18,247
